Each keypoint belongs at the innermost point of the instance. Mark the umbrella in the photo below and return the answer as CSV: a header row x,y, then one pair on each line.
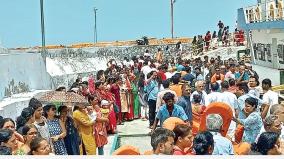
x,y
64,97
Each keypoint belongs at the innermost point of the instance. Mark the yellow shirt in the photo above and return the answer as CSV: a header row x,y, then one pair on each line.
x,y
85,128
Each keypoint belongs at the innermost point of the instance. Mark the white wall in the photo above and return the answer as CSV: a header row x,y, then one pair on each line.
x,y
265,36
12,107
266,72
20,72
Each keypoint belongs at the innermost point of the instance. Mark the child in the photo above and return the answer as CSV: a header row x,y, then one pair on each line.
x,y
100,131
105,108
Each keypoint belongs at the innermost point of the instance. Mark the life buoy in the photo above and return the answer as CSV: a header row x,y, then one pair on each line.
x,y
172,122
223,109
148,152
127,150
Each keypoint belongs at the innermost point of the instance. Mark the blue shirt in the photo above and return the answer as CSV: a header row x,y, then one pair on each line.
x,y
200,77
252,125
185,103
188,77
245,76
152,89
180,68
241,104
163,113
222,145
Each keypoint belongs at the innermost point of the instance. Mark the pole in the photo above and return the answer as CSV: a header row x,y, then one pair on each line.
x,y
172,18
95,29
43,51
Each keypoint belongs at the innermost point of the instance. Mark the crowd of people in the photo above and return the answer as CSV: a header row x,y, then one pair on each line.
x,y
152,88
223,38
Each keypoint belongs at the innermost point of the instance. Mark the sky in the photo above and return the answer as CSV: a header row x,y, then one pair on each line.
x,y
72,21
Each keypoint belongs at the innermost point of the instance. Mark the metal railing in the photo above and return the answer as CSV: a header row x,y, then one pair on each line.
x,y
215,43
269,11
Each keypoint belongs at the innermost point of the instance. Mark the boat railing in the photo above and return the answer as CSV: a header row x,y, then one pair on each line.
x,y
262,12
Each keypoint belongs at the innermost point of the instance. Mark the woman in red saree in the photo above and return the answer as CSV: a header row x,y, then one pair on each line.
x,y
103,94
112,117
115,90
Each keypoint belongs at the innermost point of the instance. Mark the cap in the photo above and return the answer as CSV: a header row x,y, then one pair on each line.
x,y
104,102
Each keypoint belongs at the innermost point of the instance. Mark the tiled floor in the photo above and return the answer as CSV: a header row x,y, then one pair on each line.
x,y
135,127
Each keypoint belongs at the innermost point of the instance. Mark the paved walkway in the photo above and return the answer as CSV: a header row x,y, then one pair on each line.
x,y
131,133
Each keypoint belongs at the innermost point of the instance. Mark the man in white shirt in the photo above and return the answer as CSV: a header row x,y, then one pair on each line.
x,y
199,85
126,62
146,69
230,99
198,74
253,86
269,97
214,96
169,74
277,110
222,145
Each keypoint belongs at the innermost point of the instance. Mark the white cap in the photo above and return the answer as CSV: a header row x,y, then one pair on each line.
x,y
104,102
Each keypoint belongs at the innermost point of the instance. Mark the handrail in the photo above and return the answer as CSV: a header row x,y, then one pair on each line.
x,y
263,12
215,44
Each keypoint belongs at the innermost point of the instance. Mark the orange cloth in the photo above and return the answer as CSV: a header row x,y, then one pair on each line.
x,y
196,114
239,132
214,79
224,110
127,150
177,89
172,122
148,152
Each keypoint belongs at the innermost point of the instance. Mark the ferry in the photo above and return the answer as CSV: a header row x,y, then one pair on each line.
x,y
263,24
264,27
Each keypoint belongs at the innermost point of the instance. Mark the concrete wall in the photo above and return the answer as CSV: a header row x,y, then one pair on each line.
x,y
12,107
65,65
22,72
